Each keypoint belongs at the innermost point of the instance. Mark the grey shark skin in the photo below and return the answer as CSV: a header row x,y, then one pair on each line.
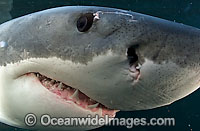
x,y
96,61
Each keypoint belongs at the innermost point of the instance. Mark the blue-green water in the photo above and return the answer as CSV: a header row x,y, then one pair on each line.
x,y
185,111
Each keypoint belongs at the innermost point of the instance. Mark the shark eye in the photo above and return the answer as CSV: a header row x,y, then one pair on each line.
x,y
85,22
131,55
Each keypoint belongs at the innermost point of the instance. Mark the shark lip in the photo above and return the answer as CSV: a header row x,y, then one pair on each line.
x,y
70,94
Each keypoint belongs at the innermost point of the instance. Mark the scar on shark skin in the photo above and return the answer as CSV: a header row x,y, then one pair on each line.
x,y
97,16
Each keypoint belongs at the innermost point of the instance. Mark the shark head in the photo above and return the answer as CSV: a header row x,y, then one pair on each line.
x,y
80,60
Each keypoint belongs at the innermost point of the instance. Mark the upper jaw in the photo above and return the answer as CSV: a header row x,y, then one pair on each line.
x,y
72,95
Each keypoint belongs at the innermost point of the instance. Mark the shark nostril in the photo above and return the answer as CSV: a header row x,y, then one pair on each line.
x,y
131,55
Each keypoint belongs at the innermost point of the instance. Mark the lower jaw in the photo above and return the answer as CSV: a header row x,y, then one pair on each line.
x,y
69,94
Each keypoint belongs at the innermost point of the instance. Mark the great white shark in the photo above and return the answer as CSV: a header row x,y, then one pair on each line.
x,y
79,60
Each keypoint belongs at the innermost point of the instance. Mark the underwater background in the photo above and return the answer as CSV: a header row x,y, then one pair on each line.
x,y
185,111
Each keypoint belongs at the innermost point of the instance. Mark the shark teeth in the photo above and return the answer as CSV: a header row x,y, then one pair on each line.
x,y
68,93
37,75
75,95
100,111
52,81
60,85
93,106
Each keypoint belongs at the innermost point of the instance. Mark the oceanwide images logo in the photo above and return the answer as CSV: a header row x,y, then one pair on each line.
x,y
46,120
30,120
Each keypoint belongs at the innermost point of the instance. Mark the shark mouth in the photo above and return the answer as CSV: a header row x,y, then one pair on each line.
x,y
70,94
